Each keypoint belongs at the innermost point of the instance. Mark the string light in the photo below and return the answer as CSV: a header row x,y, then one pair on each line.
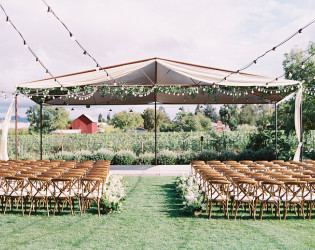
x,y
268,51
8,21
50,10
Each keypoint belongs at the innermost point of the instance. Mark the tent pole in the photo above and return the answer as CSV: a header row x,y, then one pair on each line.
x,y
155,123
276,130
41,131
301,124
16,129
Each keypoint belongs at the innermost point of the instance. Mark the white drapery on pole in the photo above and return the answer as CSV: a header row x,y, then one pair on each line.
x,y
5,129
297,122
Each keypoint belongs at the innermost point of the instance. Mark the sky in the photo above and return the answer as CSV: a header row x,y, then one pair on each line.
x,y
225,34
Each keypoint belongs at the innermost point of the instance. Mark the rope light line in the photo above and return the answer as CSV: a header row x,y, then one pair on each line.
x,y
26,45
85,52
265,53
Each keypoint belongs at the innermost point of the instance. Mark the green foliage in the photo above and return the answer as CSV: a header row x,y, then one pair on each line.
x,y
124,157
149,119
185,157
229,116
100,118
125,120
103,154
247,154
306,74
265,155
190,122
146,159
52,119
227,155
208,155
210,112
260,140
166,157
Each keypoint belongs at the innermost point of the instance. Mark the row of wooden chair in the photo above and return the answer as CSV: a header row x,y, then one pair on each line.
x,y
252,183
43,181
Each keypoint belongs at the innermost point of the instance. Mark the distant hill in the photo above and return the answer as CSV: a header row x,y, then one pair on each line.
x,y
19,119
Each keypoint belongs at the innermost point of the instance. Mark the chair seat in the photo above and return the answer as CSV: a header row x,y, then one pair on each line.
x,y
244,198
309,197
218,197
291,199
91,195
269,198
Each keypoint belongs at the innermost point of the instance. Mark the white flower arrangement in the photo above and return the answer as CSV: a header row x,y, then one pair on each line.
x,y
113,194
188,189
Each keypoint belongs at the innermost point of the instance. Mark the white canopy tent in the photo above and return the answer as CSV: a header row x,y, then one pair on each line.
x,y
155,72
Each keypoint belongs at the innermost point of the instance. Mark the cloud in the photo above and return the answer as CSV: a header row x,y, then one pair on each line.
x,y
219,33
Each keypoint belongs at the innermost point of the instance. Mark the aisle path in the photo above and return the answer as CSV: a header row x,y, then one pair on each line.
x,y
150,170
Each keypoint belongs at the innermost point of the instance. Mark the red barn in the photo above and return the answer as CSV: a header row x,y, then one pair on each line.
x,y
85,123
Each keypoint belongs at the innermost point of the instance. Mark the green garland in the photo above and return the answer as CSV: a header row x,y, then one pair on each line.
x,y
122,92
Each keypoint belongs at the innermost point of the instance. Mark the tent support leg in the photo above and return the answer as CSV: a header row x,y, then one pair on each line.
x,y
276,130
41,131
155,129
301,124
16,129
155,122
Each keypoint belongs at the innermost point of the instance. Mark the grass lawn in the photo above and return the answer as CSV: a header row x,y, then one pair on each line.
x,y
152,219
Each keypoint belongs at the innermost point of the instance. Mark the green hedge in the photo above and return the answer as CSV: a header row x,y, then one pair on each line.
x,y
167,157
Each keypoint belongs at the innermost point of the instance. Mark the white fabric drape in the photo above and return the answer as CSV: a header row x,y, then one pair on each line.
x,y
297,122
5,129
198,73
209,75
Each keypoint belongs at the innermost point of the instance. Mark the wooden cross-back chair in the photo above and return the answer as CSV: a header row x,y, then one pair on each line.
x,y
218,192
293,195
244,193
62,192
309,196
40,191
15,190
270,194
91,190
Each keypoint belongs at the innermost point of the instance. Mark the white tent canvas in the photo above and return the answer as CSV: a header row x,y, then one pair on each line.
x,y
163,72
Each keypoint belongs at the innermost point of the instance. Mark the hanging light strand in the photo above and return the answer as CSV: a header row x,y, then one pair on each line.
x,y
300,64
85,52
299,31
27,46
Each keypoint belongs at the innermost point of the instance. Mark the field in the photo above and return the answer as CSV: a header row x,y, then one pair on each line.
x,y
152,219
28,145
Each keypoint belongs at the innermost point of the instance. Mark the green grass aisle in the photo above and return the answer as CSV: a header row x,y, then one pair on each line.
x,y
152,220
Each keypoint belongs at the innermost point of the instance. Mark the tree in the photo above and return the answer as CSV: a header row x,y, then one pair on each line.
x,y
53,119
125,120
294,71
198,110
167,119
210,111
108,117
149,119
100,118
248,114
229,115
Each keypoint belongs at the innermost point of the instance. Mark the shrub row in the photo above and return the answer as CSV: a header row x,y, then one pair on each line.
x,y
164,157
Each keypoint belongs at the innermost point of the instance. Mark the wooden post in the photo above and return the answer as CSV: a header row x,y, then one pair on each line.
x,y
301,124
16,130
155,123
276,130
41,130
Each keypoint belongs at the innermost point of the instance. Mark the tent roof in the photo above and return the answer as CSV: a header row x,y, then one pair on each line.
x,y
166,73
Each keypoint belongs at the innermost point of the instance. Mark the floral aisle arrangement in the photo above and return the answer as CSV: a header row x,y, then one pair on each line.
x,y
188,189
114,194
